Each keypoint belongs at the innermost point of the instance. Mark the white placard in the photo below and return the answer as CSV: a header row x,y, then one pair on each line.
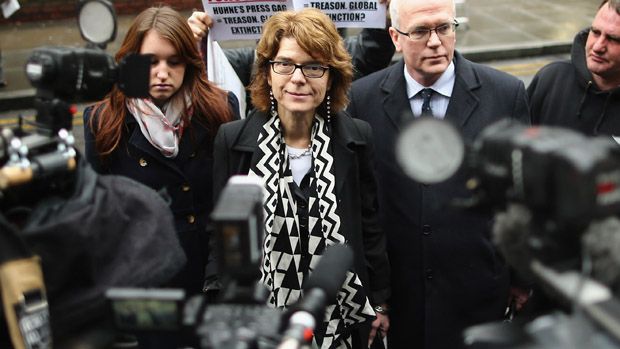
x,y
220,72
9,7
241,19
349,14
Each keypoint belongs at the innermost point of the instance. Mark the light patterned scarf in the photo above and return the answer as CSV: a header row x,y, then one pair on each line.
x,y
280,267
161,127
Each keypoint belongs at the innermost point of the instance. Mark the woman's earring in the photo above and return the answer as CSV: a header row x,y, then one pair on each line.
x,y
328,106
273,103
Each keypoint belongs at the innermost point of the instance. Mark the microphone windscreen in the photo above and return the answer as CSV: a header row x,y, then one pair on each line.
x,y
510,233
331,270
601,243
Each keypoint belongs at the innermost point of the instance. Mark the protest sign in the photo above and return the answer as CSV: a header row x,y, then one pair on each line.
x,y
349,14
241,19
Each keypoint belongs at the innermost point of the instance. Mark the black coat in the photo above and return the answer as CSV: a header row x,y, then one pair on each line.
x,y
102,232
446,274
564,94
186,179
236,143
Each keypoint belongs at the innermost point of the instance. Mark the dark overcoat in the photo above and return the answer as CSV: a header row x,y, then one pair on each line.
x,y
353,153
186,180
446,274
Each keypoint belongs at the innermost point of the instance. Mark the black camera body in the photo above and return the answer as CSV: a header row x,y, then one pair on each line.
x,y
561,176
556,194
239,316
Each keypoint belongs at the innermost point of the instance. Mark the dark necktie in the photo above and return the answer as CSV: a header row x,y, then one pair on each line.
x,y
426,94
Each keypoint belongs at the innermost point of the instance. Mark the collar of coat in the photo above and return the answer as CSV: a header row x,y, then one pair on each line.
x,y
345,131
462,103
346,136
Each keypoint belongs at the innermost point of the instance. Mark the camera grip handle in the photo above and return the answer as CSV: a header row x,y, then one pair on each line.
x,y
15,175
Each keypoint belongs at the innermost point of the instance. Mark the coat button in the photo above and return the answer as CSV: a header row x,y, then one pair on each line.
x,y
185,187
192,155
429,274
143,162
426,229
191,219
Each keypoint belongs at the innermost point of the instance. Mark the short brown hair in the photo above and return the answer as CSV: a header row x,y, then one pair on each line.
x,y
317,35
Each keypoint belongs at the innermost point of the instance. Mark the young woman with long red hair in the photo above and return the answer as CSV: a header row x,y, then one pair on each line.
x,y
165,141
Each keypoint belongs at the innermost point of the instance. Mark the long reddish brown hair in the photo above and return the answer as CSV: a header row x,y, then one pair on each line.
x,y
209,103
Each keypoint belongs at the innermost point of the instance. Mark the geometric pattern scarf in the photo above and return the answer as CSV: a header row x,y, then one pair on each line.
x,y
280,268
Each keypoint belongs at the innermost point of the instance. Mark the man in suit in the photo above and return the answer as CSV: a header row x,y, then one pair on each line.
x,y
446,274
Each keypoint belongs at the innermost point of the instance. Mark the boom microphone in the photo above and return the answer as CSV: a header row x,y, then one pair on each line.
x,y
510,233
320,289
601,244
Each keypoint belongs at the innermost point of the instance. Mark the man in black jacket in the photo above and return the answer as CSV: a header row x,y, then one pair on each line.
x,y
582,94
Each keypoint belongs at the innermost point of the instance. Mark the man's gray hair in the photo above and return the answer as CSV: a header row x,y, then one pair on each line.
x,y
395,8
615,4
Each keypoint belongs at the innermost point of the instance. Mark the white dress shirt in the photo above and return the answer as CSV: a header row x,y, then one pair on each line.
x,y
439,101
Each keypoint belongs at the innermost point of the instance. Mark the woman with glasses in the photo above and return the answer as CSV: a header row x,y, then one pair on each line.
x,y
316,164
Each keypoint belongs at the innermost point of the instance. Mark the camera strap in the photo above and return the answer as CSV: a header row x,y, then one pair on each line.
x,y
23,292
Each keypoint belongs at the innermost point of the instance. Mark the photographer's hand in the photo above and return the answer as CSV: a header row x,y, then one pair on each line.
x,y
520,296
199,22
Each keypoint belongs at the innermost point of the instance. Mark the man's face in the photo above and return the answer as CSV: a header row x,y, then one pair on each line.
x,y
429,57
603,48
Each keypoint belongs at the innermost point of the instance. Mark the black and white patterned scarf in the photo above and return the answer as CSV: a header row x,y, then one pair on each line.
x,y
280,267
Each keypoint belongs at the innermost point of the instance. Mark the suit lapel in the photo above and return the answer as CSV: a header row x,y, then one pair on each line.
x,y
395,103
464,100
342,138
247,140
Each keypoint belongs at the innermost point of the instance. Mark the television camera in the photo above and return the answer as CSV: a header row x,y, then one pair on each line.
x,y
239,317
556,194
42,163
61,76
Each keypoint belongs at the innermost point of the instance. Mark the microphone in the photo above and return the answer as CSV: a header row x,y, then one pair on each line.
x,y
601,244
510,233
320,290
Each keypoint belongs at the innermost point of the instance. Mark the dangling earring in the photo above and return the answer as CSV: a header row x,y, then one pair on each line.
x,y
273,103
328,106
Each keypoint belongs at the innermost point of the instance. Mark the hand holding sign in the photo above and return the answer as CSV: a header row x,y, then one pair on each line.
x,y
199,23
243,19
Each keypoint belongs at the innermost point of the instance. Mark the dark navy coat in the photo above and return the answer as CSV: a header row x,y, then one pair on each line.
x,y
446,274
186,180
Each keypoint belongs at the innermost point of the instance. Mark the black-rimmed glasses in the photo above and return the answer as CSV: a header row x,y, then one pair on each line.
x,y
423,34
312,70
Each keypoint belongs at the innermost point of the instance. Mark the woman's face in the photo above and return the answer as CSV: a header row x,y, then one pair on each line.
x,y
297,93
167,68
